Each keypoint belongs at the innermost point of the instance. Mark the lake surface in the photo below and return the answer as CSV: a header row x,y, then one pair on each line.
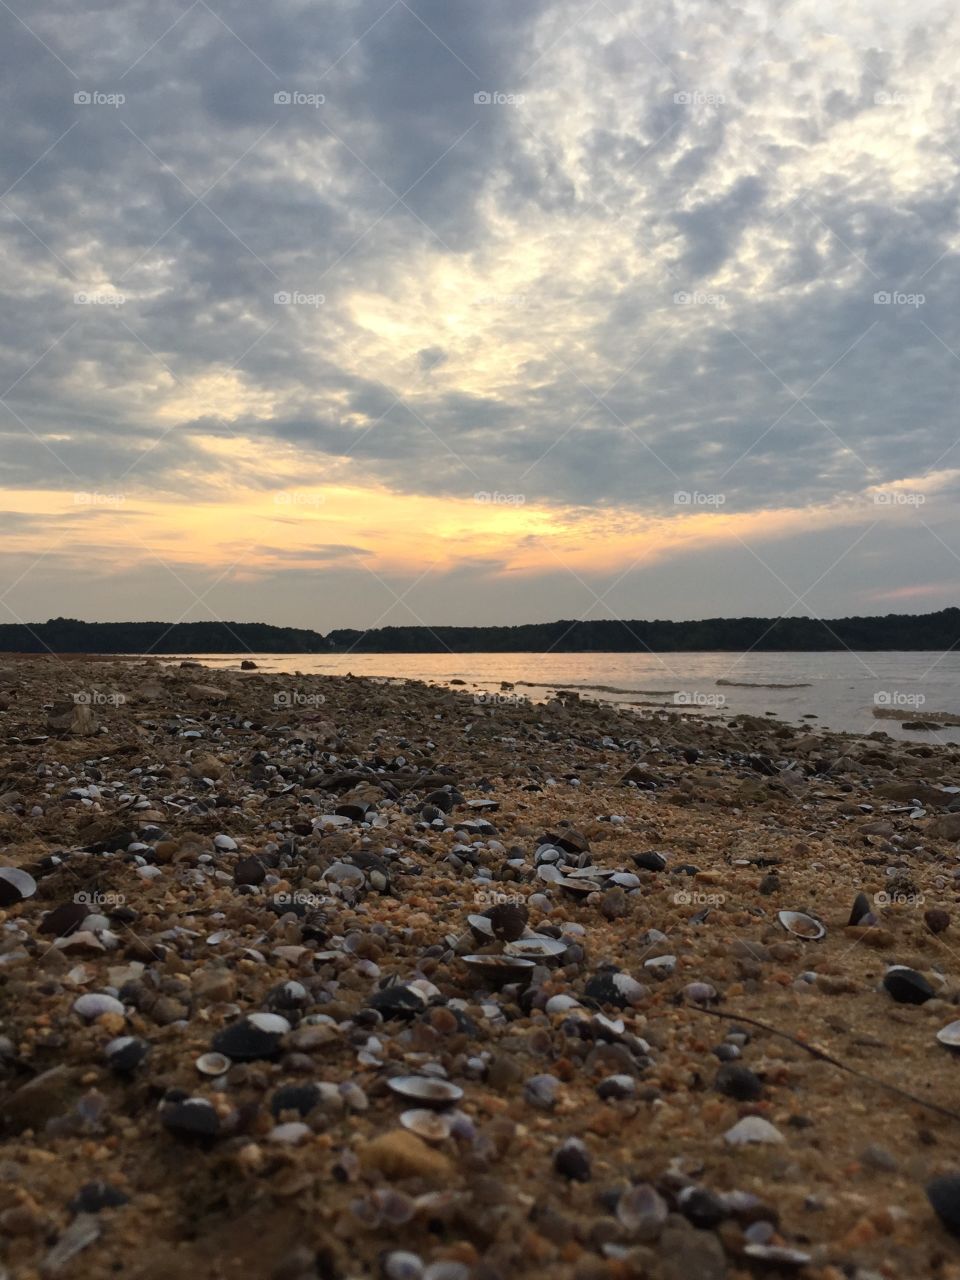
x,y
838,690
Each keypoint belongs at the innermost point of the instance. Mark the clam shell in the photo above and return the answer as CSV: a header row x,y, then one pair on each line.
x,y
481,928
15,886
802,926
500,968
579,888
213,1064
536,948
426,1090
432,1126
950,1035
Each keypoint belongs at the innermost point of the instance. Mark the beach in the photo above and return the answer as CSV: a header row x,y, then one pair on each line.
x,y
316,976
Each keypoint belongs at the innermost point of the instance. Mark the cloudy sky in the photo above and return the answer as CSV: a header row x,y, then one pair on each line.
x,y
478,311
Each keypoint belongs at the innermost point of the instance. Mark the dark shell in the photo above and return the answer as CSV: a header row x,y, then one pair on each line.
x,y
94,1196
944,1195
244,1041
651,861
907,986
508,920
397,1001
64,919
572,1161
301,1098
193,1117
616,988
861,908
15,886
125,1053
249,871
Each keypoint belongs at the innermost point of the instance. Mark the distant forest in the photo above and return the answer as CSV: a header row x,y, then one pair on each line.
x,y
894,631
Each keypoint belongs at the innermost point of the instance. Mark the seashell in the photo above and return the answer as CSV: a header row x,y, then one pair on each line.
x,y
508,919
213,1064
500,969
752,1129
432,1126
661,965
398,1001
426,1090
651,861
301,1098
944,1196
561,1004
778,1254
63,920
608,1026
193,1117
613,987
625,880
572,1161
290,1134
536,948
125,1053
481,928
401,1265
861,908
616,1087
226,843
95,1004
579,888
247,1040
344,873
701,993
642,1212
15,886
549,874
906,985
802,925
591,873
950,1035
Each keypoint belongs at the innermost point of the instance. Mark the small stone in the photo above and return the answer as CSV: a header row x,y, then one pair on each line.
x,y
94,1196
877,1157
937,920
642,1212
738,1082
686,1253
752,1129
944,1195
572,1161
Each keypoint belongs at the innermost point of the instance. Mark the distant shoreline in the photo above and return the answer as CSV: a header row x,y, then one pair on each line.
x,y
893,632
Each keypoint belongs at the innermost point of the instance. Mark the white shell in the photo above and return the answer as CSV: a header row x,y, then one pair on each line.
x,y
752,1129
94,1004
24,883
802,925
426,1090
270,1022
950,1035
536,948
500,966
213,1064
432,1126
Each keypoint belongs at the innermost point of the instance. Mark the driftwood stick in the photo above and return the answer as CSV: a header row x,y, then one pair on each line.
x,y
823,1056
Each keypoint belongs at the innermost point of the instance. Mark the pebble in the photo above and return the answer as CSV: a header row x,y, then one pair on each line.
x,y
752,1129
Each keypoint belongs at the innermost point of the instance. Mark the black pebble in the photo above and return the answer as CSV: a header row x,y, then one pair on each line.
x,y
572,1161
650,861
301,1098
244,1042
738,1082
944,1194
95,1196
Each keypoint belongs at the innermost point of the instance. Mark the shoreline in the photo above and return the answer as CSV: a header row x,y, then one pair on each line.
x,y
245,892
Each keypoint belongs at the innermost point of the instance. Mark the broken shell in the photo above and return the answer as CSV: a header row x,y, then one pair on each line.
x,y
213,1064
579,888
432,1126
802,926
247,1039
481,928
536,948
861,909
614,987
778,1254
950,1035
426,1090
508,920
125,1053
15,886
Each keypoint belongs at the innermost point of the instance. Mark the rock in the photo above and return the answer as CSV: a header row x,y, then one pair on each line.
x,y
43,1098
399,1154
247,665
572,1161
877,1157
946,827
937,920
686,1253
944,1195
752,1129
72,718
642,1212
614,904
738,1082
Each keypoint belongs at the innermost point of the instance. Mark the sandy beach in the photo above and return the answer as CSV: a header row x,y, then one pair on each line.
x,y
320,977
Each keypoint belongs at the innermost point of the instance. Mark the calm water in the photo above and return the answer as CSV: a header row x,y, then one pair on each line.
x,y
839,689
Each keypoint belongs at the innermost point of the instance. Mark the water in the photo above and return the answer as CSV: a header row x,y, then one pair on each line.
x,y
839,690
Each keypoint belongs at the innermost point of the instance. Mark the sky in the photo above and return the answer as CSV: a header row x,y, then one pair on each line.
x,y
478,311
